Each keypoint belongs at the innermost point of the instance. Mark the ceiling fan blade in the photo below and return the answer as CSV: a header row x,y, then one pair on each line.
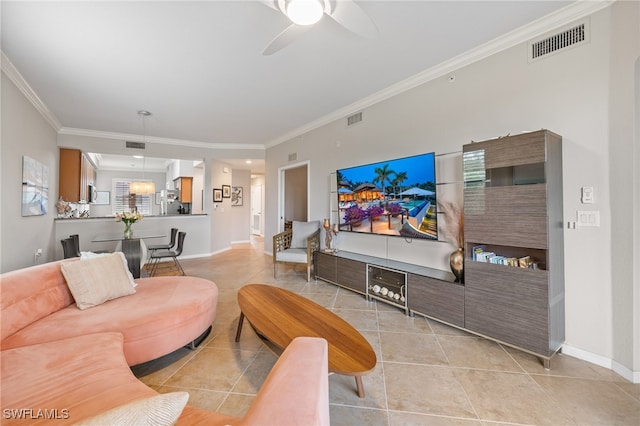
x,y
351,16
285,38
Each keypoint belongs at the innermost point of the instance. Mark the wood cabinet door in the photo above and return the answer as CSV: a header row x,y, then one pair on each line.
x,y
325,266
438,299
69,174
352,274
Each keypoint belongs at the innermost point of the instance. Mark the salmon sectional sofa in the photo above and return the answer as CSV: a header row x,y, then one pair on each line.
x,y
66,359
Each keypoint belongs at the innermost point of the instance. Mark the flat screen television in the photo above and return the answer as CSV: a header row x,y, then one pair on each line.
x,y
394,197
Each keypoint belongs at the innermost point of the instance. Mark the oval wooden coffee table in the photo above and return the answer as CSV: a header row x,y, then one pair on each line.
x,y
280,316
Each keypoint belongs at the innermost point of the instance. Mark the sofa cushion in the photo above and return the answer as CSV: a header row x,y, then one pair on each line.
x,y
163,315
78,377
86,255
96,280
158,410
31,294
292,255
300,231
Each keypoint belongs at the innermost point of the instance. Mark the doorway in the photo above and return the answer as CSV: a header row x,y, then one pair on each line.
x,y
256,209
293,193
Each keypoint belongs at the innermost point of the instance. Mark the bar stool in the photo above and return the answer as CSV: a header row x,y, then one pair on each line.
x,y
156,255
174,233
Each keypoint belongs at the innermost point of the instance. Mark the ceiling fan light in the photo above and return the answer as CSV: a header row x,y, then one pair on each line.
x,y
305,12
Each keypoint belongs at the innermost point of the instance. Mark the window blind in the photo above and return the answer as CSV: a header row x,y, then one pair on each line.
x,y
123,201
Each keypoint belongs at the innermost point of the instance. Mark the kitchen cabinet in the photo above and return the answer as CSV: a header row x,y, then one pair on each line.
x,y
76,173
184,185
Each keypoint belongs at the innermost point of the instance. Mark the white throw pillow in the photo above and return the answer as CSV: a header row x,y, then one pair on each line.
x,y
84,255
96,280
160,410
301,231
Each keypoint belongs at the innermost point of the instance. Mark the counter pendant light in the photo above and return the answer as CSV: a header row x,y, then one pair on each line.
x,y
143,187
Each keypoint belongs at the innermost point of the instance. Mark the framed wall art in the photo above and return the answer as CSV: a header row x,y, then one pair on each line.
x,y
236,196
103,197
217,195
35,187
226,191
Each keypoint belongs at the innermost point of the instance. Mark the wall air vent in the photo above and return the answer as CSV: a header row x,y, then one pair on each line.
x,y
353,119
293,157
570,37
135,145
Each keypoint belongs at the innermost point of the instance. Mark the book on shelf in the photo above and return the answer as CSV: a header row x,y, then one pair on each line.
x,y
524,262
477,249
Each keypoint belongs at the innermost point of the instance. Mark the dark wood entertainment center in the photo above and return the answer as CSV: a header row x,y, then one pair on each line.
x,y
513,209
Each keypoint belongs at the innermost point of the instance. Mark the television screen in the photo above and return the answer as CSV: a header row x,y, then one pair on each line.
x,y
395,197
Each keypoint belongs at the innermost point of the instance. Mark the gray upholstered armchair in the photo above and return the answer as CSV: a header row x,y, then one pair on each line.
x,y
296,245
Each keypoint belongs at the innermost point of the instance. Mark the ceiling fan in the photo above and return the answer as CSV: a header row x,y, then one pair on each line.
x,y
305,13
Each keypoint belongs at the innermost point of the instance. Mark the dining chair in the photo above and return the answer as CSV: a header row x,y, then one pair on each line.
x,y
172,242
157,255
68,248
76,244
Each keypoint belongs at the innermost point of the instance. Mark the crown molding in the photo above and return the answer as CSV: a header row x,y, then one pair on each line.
x,y
14,75
157,140
559,18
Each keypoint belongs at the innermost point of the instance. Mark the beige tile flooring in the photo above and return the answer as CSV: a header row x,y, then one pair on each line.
x,y
427,372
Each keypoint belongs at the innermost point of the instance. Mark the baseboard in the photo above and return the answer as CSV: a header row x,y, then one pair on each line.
x,y
626,373
240,242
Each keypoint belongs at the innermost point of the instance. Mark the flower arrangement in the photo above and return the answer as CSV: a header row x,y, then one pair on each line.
x,y
354,214
394,208
374,210
128,217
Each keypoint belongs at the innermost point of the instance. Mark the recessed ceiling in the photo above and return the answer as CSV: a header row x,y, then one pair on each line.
x,y
198,66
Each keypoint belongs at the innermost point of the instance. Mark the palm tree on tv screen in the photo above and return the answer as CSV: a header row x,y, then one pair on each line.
x,y
397,181
384,174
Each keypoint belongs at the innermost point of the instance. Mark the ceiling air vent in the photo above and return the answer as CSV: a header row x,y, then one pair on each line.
x,y
574,36
135,145
353,119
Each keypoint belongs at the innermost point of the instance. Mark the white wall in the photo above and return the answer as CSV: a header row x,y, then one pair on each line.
x,y
578,94
24,132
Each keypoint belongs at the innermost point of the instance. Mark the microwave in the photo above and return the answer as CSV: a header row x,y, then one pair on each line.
x,y
92,193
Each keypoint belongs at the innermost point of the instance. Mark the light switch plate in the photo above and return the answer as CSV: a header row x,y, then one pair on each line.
x,y
588,218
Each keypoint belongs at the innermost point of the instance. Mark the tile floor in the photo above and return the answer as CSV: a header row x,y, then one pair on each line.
x,y
427,373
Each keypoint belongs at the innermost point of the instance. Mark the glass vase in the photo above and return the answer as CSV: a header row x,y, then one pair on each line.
x,y
128,232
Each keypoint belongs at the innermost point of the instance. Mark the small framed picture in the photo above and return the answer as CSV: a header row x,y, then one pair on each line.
x,y
103,197
217,195
226,191
236,196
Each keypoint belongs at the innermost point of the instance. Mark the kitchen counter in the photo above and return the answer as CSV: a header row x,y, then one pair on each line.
x,y
145,217
197,226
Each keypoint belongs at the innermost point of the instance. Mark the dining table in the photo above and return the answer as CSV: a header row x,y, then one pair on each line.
x,y
133,248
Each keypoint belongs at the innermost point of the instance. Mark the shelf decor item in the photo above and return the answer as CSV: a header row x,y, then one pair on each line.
x,y
453,229
327,235
128,218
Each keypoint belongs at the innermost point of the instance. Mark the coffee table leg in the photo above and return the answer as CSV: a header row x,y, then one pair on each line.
x,y
239,331
360,386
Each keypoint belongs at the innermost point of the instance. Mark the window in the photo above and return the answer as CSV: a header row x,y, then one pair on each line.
x,y
123,201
